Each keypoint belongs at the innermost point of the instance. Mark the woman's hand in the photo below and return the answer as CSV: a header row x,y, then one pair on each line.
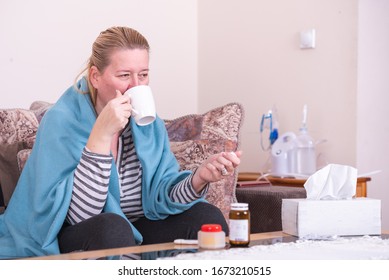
x,y
215,168
111,120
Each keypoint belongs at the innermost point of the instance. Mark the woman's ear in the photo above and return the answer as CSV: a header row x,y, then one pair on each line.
x,y
94,76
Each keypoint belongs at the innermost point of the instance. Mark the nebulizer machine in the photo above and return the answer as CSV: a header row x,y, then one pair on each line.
x,y
291,155
269,121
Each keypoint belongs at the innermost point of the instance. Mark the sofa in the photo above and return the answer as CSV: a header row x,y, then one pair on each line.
x,y
193,138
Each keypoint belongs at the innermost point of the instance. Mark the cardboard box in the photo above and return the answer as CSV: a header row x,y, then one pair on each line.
x,y
319,218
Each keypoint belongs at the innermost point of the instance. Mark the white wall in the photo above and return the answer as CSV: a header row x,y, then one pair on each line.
x,y
373,98
249,52
45,43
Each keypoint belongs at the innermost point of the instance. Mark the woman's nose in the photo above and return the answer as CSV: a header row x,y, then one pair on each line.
x,y
135,80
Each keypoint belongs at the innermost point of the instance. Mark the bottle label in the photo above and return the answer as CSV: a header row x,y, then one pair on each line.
x,y
239,230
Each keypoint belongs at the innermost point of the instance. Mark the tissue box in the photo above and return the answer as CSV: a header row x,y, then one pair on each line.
x,y
315,218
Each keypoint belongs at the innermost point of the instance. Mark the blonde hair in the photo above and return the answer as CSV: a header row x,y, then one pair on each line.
x,y
110,40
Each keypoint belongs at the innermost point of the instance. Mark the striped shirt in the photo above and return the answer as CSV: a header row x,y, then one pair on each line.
x,y
91,180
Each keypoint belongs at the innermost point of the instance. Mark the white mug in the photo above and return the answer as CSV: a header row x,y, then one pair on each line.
x,y
143,106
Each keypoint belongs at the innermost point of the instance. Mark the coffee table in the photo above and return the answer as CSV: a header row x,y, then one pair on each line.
x,y
149,252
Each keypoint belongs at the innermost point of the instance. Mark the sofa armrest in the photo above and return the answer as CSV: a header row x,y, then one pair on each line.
x,y
2,205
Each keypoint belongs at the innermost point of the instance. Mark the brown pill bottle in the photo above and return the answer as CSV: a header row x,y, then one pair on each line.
x,y
239,225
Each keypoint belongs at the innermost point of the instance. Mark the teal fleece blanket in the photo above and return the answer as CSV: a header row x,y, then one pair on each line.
x,y
39,204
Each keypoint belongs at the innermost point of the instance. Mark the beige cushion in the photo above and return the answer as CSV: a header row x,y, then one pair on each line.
x,y
193,138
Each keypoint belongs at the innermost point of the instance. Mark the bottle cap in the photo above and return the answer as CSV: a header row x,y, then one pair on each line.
x,y
239,206
211,228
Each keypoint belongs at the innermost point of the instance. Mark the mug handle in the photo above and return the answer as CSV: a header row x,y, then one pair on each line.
x,y
133,110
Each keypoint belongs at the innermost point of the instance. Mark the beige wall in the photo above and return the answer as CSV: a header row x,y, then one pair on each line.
x,y
249,52
45,43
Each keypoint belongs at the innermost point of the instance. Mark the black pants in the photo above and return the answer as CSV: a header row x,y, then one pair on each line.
x,y
109,230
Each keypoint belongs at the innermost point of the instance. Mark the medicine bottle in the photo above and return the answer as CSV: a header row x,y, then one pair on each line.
x,y
211,236
239,225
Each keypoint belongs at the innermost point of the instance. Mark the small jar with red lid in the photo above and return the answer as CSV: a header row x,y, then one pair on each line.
x,y
211,236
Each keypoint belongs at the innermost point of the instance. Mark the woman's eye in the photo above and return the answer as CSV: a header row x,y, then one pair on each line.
x,y
143,76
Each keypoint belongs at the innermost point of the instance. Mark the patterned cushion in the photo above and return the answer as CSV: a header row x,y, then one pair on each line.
x,y
18,125
18,129
193,138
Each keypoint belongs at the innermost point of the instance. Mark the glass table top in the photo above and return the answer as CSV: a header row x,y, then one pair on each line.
x,y
153,255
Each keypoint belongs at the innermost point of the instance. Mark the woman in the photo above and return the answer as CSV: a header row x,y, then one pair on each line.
x,y
97,180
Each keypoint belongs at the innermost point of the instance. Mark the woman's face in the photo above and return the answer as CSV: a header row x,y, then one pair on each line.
x,y
128,68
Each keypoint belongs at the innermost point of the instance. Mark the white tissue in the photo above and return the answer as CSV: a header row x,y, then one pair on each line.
x,y
332,182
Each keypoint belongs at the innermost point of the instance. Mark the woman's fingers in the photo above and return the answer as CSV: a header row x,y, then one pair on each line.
x,y
227,161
